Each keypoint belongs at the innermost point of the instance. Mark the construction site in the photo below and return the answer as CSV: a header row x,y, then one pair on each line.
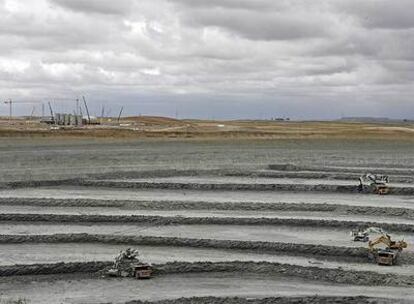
x,y
326,220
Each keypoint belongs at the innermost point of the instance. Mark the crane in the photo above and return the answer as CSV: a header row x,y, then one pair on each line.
x,y
87,110
52,116
120,113
10,103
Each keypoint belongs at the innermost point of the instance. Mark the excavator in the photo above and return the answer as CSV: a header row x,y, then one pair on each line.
x,y
389,255
127,264
374,183
359,235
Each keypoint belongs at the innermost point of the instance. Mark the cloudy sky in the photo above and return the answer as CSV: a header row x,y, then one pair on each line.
x,y
210,59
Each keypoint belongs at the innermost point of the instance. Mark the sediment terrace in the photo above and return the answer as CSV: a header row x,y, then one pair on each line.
x,y
330,275
291,225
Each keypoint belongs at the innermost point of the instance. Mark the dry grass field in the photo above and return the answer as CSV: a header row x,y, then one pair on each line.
x,y
162,127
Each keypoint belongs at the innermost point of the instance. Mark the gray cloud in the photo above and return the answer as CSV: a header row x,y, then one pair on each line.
x,y
255,25
118,7
381,13
297,58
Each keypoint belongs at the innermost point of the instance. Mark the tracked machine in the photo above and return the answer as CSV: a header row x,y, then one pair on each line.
x,y
374,183
389,254
360,235
127,264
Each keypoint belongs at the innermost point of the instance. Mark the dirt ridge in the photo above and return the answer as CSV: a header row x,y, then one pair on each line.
x,y
273,300
181,220
240,187
356,254
56,268
338,275
293,167
205,205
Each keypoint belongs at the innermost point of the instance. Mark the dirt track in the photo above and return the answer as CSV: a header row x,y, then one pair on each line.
x,y
330,275
178,220
206,205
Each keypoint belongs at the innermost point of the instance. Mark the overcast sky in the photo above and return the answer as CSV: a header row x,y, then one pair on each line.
x,y
210,58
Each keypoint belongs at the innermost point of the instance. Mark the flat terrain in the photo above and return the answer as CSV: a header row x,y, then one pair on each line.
x,y
163,127
223,218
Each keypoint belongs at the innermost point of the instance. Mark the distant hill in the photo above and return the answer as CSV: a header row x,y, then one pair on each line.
x,y
374,119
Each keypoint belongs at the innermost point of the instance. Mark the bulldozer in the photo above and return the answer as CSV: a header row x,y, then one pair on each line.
x,y
374,183
388,255
127,264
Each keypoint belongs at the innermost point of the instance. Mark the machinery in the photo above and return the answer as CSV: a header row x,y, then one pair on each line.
x,y
127,264
359,235
388,255
374,183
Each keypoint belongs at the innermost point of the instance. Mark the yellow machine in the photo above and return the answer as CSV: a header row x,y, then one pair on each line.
x,y
381,189
389,255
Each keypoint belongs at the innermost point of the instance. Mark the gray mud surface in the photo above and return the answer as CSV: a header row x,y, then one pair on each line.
x,y
181,220
355,254
76,289
281,234
335,188
348,169
128,205
275,300
43,253
254,210
214,218
108,196
337,275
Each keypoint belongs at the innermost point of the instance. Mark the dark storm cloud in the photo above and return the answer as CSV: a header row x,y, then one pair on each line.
x,y
302,58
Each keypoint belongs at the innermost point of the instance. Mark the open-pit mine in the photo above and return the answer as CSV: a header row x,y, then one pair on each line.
x,y
216,221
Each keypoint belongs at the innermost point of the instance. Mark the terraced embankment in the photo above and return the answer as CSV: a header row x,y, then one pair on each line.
x,y
77,289
180,220
298,187
230,228
329,275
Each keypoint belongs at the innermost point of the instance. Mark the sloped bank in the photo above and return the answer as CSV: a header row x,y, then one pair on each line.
x,y
354,254
57,268
389,171
238,187
273,300
338,275
180,220
206,205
